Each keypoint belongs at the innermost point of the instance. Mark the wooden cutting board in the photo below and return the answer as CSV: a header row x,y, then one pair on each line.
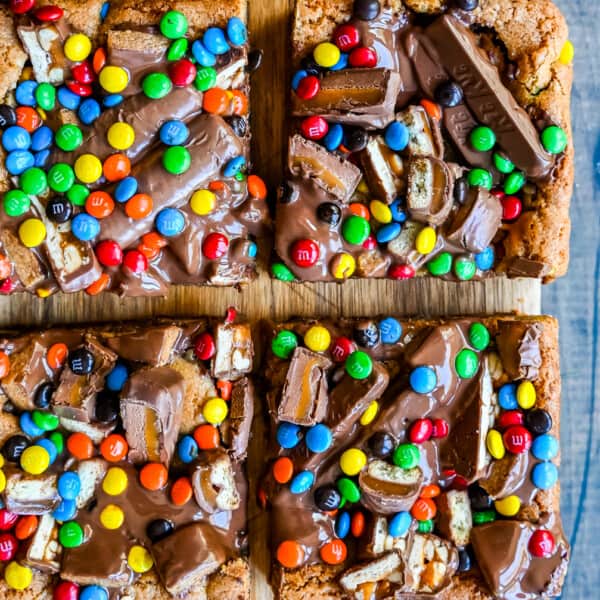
x,y
269,26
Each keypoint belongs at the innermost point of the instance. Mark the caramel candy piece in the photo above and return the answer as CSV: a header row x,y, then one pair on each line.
x,y
430,565
213,480
519,349
429,194
304,397
43,43
151,404
153,346
335,175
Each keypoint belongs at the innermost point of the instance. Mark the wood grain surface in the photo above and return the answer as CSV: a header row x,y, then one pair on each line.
x,y
269,25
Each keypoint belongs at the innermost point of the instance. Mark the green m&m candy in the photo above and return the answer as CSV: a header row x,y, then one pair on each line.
x,y
206,78
348,489
554,139
284,343
70,534
464,268
441,264
406,456
78,194
359,365
45,420
503,163
45,96
356,230
173,24
156,85
16,203
482,138
58,440
177,49
480,178
61,177
466,363
425,526
176,160
33,181
514,182
484,516
479,336
68,137
281,272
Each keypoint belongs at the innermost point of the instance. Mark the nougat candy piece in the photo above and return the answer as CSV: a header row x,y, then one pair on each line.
x,y
455,520
386,567
304,397
236,428
429,194
187,556
383,180
430,565
153,346
151,409
213,480
95,431
380,541
234,351
43,43
424,135
27,494
519,349
25,263
42,550
91,472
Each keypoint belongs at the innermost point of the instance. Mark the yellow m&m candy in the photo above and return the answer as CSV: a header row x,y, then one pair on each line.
x,y
120,136
370,413
425,242
352,461
2,481
35,460
326,54
112,516
18,577
567,53
115,481
77,47
526,395
203,202
139,559
88,168
380,211
32,232
509,506
494,444
215,410
343,265
113,79
317,338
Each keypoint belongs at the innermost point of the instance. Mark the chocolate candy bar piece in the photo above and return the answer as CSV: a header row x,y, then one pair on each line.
x,y
42,551
154,346
236,431
376,160
234,351
429,194
27,494
519,350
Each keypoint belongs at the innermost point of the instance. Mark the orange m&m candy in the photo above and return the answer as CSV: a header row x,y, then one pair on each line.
x,y
215,101
114,447
80,446
334,552
207,437
359,209
357,525
423,509
290,554
181,491
26,526
4,364
138,206
153,476
430,491
28,118
224,388
432,109
239,102
216,186
116,167
99,285
57,355
256,187
283,469
99,60
99,204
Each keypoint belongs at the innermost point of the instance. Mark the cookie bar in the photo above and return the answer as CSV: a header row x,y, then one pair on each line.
x,y
124,147
427,138
123,461
415,458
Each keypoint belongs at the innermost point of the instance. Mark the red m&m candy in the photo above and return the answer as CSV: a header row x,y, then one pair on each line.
x,y
511,208
420,431
135,261
542,544
20,7
182,72
314,128
109,253
517,439
8,546
509,418
346,37
401,272
363,57
66,590
214,245
81,89
440,428
204,346
341,348
308,87
48,14
369,243
83,72
7,519
305,253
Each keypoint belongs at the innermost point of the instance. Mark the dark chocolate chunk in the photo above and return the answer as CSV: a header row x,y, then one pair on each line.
x,y
239,125
461,189
366,10
13,447
480,499
538,421
366,334
43,394
8,116
329,213
159,529
356,140
287,193
381,444
59,209
255,58
327,498
448,93
81,361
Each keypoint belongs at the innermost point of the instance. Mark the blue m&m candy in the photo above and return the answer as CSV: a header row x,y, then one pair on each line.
x,y
25,93
16,138
187,449
390,330
125,189
49,447
388,232
544,475
174,133
236,31
234,166
252,249
423,380
112,100
302,482
42,138
544,447
41,158
28,427
342,524
334,137
398,212
94,592
69,485
89,111
318,438
116,379
396,136
214,40
399,524
170,222
485,260
65,511
297,77
288,435
507,396
104,10
19,161
67,98
85,227
203,56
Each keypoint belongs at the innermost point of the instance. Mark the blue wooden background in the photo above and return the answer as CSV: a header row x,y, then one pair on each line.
x,y
575,301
